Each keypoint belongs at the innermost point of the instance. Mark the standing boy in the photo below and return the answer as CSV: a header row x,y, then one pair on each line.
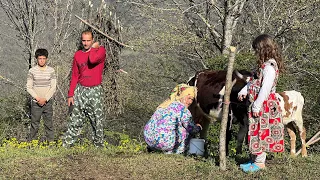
x,y
41,85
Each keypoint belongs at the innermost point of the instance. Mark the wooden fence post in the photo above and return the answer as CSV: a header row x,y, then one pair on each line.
x,y
224,121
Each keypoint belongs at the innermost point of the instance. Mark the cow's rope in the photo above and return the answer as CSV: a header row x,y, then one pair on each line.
x,y
227,102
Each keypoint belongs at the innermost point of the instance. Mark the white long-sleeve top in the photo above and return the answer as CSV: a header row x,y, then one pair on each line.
x,y
269,75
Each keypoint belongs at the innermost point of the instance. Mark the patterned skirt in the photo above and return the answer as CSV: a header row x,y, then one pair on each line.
x,y
266,131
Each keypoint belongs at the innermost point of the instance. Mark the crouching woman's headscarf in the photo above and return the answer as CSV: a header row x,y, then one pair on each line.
x,y
180,91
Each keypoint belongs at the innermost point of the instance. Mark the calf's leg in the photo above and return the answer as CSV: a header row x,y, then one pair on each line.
x,y
299,122
292,134
303,141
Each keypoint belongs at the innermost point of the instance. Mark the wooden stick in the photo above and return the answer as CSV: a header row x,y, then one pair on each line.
x,y
311,141
314,141
315,136
106,35
225,110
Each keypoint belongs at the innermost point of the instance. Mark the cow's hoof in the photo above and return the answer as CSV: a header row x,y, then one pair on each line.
x,y
293,154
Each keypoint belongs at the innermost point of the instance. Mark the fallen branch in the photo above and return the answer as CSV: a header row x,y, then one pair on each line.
x,y
122,71
106,35
311,141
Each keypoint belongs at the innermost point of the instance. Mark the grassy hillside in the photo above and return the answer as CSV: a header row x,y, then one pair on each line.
x,y
117,162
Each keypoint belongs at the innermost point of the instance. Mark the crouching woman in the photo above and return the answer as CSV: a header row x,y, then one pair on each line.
x,y
171,124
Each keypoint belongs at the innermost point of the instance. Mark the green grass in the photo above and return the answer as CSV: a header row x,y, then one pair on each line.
x,y
113,163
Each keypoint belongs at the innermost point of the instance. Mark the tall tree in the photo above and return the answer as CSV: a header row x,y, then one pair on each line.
x,y
25,15
215,21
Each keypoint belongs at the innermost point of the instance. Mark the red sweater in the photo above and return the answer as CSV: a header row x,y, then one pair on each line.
x,y
87,68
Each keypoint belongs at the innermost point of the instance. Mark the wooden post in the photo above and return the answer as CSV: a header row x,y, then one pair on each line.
x,y
225,109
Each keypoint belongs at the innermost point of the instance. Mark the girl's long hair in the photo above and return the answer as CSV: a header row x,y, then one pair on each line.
x,y
266,48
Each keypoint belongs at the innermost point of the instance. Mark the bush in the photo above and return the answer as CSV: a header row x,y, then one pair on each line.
x,y
245,61
14,116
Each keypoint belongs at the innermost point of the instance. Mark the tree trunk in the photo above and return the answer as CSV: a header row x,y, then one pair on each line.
x,y
232,14
224,121
30,60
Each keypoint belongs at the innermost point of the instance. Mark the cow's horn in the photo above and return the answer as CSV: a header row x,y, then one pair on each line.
x,y
238,74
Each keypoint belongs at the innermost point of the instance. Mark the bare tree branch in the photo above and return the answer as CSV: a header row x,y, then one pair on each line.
x,y
106,35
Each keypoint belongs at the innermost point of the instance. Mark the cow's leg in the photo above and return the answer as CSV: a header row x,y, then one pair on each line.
x,y
204,134
242,134
199,116
228,135
205,126
292,134
302,132
228,139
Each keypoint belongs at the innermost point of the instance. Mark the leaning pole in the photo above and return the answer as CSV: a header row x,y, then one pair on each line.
x,y
225,110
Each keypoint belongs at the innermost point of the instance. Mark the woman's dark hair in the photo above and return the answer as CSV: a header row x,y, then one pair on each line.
x,y
266,48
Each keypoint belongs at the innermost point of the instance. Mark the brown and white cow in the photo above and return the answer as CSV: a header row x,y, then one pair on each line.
x,y
208,105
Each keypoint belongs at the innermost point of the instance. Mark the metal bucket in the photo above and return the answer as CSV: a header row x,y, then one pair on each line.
x,y
196,146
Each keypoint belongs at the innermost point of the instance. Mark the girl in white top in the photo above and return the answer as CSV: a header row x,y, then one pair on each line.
x,y
264,114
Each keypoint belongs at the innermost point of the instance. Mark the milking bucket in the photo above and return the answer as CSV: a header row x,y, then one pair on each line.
x,y
197,146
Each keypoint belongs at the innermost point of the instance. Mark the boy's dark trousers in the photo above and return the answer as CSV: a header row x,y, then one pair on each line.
x,y
46,112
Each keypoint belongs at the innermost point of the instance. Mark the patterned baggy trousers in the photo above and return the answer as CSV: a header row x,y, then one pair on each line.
x,y
88,104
